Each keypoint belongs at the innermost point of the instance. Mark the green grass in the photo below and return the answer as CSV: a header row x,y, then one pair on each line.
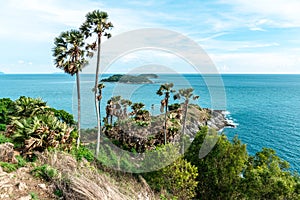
x,y
4,139
34,196
45,171
10,167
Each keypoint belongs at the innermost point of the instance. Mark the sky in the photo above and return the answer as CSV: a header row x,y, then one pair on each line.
x,y
258,36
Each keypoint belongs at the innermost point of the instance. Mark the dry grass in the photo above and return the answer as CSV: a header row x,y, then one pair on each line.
x,y
81,180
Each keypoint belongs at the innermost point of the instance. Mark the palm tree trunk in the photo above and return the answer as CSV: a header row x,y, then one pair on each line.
x,y
165,128
78,107
96,99
183,126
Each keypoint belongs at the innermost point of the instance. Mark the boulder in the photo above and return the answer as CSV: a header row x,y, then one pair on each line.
x,y
7,153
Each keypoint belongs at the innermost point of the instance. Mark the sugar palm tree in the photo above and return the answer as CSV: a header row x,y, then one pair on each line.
x,y
186,94
96,23
99,97
70,56
165,89
125,103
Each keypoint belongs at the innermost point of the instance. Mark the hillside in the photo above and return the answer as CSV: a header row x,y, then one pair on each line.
x,y
70,179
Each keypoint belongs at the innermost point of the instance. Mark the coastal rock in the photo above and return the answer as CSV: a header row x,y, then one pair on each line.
x,y
7,153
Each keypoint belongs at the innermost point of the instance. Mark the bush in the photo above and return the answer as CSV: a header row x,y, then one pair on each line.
x,y
83,152
45,171
41,132
219,171
179,179
10,167
4,139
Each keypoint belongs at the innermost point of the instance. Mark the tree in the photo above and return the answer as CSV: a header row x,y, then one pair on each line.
x,y
186,94
99,97
70,56
266,176
96,24
219,173
165,89
125,103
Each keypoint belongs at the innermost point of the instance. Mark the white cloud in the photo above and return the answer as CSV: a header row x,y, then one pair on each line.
x,y
275,13
257,62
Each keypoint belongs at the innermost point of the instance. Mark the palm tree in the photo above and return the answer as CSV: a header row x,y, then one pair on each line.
x,y
70,56
187,94
96,23
125,103
99,97
165,89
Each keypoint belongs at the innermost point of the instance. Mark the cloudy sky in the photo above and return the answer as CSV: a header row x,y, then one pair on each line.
x,y
258,36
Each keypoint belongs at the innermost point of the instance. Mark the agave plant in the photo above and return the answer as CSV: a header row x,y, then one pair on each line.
x,y
41,132
28,107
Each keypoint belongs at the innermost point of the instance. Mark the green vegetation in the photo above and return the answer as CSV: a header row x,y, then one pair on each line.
x,y
33,126
178,179
34,196
10,167
127,79
45,172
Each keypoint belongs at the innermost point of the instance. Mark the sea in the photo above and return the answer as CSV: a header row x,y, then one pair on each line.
x,y
265,108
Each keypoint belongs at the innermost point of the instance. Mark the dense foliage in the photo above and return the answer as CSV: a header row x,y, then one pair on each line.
x,y
177,179
32,126
228,172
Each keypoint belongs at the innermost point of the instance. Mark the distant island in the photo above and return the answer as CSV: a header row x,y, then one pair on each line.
x,y
1,72
139,79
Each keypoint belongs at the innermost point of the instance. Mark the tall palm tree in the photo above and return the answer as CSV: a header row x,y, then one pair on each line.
x,y
99,97
186,94
96,23
165,89
125,103
70,56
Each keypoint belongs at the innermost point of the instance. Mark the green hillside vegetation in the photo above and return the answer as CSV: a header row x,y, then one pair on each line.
x,y
227,172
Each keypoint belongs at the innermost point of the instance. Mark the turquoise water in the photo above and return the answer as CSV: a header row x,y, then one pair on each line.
x,y
265,107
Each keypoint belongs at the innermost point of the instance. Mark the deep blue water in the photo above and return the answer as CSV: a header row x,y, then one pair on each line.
x,y
265,107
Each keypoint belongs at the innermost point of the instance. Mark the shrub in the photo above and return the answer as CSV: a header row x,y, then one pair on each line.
x,y
179,179
45,171
83,152
41,132
10,167
219,171
4,139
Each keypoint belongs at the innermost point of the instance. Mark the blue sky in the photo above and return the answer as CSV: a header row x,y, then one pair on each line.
x,y
258,36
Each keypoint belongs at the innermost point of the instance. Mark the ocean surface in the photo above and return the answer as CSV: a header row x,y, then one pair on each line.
x,y
266,108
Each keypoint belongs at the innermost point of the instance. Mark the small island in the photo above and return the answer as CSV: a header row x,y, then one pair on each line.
x,y
139,79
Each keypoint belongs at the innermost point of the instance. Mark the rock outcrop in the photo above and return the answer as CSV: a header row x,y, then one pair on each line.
x,y
7,153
